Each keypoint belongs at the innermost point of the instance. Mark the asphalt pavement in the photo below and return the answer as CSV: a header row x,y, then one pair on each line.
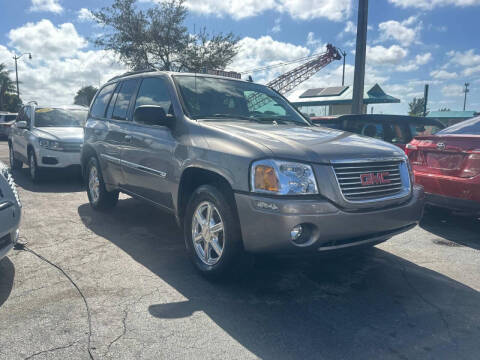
x,y
413,297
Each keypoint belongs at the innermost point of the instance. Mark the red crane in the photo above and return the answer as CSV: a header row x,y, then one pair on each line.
x,y
289,80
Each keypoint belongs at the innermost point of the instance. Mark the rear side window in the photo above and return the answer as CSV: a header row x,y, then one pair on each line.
x,y
153,91
101,101
467,127
122,102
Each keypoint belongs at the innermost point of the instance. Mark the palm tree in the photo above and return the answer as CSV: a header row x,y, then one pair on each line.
x,y
7,85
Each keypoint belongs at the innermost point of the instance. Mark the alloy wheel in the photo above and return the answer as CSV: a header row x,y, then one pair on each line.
x,y
33,166
208,233
94,184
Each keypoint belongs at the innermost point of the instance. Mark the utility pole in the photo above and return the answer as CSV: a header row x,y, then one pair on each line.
x,y
425,100
360,54
15,57
344,54
466,90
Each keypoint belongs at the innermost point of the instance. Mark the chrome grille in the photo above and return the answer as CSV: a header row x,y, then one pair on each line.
x,y
361,181
71,147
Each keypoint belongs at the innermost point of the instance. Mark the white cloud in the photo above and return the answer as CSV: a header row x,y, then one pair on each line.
x,y
264,51
277,28
46,41
420,59
85,15
350,27
336,10
471,70
400,31
431,4
380,55
452,90
467,58
47,6
443,75
60,65
312,42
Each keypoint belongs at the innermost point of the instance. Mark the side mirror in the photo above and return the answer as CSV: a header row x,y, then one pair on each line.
x,y
152,115
22,125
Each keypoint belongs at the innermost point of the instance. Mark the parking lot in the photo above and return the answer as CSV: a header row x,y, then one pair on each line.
x,y
413,297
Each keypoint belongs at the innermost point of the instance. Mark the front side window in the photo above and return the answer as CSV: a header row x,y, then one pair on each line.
x,y
122,101
50,117
101,101
154,91
208,98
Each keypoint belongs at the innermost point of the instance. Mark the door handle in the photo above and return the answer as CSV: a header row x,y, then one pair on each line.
x,y
128,138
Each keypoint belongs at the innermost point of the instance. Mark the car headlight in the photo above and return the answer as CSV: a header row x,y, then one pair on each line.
x,y
282,178
50,144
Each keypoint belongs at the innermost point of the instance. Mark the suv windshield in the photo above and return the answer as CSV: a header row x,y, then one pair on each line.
x,y
467,127
49,117
210,98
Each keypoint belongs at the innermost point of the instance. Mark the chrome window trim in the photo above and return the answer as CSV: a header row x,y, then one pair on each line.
x,y
404,176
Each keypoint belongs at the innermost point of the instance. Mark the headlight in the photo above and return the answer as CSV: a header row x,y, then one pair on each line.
x,y
50,144
282,178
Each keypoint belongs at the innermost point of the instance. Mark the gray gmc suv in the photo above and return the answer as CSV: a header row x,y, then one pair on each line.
x,y
241,169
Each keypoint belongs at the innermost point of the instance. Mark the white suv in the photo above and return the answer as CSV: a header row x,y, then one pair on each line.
x,y
47,137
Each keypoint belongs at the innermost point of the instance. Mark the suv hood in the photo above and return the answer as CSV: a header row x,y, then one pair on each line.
x,y
72,134
309,143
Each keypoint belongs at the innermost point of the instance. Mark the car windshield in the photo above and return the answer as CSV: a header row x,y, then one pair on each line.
x,y
50,117
209,98
467,127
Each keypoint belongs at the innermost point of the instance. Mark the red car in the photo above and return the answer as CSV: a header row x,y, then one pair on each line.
x,y
447,164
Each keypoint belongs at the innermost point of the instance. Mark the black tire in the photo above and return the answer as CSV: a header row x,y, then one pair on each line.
x,y
33,169
103,199
14,163
233,260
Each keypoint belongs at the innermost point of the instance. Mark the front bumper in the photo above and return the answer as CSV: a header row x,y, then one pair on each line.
x,y
266,223
57,159
453,203
9,222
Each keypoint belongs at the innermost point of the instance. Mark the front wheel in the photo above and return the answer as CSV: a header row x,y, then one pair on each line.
x,y
212,234
34,170
99,197
14,163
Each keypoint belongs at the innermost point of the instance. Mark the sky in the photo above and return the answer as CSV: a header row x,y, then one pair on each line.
x,y
410,43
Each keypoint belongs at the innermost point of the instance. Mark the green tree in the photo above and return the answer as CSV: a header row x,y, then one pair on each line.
x,y
7,89
157,38
416,107
85,95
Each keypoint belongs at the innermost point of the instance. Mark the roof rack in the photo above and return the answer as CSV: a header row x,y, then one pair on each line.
x,y
128,73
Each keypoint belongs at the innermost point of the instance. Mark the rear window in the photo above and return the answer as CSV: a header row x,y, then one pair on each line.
x,y
101,101
423,130
467,127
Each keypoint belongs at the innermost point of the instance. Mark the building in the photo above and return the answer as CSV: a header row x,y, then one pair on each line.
x,y
452,117
337,100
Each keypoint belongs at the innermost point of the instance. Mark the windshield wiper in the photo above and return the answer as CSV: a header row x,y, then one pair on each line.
x,y
223,116
278,120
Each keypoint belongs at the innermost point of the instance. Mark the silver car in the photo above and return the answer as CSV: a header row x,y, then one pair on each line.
x,y
47,137
242,170
10,211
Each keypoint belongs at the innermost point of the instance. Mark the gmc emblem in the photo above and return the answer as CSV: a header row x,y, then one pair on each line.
x,y
374,178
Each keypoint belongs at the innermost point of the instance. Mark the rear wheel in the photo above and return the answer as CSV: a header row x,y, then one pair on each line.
x,y
212,234
99,197
14,163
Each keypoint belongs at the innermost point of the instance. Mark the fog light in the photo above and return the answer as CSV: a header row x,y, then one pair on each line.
x,y
296,232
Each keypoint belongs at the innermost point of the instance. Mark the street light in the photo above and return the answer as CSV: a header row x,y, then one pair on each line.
x,y
15,57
